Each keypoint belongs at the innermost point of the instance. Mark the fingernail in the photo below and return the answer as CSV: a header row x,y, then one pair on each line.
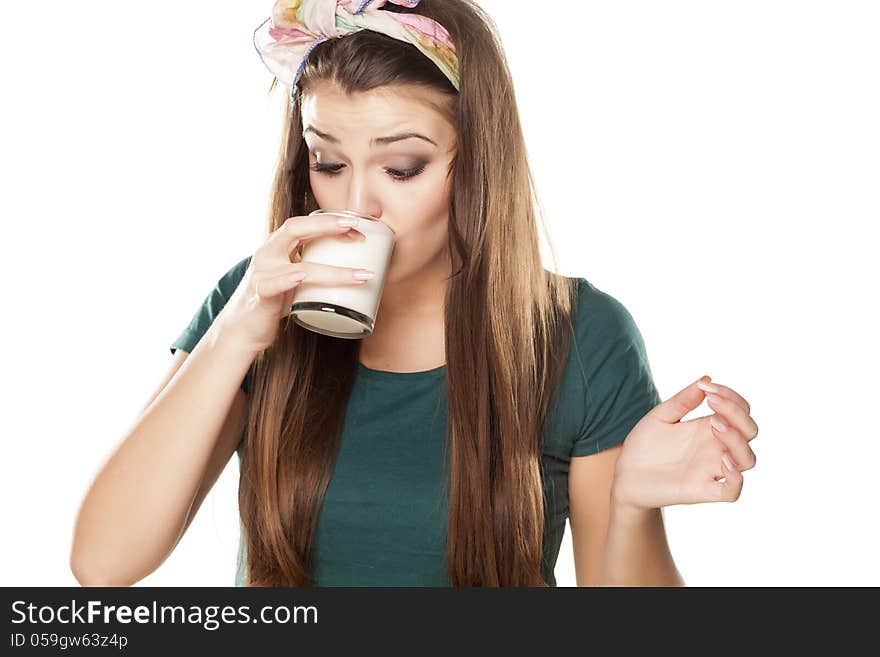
x,y
718,424
728,463
708,387
363,274
713,399
347,222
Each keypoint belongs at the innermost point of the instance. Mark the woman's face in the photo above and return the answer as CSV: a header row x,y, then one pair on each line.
x,y
361,158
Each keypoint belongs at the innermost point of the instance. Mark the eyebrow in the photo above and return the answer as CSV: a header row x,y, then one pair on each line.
x,y
376,140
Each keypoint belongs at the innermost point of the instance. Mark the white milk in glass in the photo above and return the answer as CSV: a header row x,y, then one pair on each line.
x,y
345,311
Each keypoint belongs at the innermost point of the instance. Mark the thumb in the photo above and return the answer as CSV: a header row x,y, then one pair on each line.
x,y
682,402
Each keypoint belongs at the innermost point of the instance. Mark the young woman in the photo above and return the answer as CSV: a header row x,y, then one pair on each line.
x,y
494,398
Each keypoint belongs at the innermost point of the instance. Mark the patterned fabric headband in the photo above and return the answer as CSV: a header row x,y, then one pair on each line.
x,y
285,39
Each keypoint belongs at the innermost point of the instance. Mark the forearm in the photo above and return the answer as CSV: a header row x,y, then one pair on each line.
x,y
135,510
636,550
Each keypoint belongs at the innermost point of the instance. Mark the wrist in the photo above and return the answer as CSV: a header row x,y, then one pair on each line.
x,y
625,504
225,337
629,514
620,497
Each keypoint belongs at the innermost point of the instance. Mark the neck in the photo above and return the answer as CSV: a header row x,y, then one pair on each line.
x,y
409,334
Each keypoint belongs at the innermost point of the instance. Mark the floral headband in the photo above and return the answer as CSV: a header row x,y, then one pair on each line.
x,y
285,39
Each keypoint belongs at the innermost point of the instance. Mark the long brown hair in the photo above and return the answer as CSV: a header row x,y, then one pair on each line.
x,y
506,344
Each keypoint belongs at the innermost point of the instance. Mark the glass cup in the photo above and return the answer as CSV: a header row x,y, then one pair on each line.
x,y
345,311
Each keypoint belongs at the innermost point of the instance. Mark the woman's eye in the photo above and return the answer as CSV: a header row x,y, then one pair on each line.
x,y
331,169
396,174
406,174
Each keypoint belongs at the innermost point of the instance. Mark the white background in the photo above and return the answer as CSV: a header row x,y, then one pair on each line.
x,y
714,166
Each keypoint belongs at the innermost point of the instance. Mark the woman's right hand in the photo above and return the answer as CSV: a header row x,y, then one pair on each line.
x,y
265,294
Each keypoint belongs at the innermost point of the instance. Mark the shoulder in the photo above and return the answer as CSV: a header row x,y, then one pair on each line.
x,y
607,384
217,297
600,318
229,281
210,308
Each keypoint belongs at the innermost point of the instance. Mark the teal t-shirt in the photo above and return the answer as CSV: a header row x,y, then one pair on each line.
x,y
383,519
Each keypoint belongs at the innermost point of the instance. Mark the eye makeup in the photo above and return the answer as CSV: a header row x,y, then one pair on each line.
x,y
400,175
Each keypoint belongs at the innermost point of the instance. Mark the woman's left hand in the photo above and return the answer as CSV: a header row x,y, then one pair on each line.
x,y
665,461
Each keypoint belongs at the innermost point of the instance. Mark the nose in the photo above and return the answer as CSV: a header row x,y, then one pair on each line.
x,y
361,197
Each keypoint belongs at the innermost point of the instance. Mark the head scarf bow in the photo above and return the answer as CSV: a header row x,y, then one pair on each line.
x,y
285,39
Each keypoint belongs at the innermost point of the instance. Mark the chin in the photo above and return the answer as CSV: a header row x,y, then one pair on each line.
x,y
391,275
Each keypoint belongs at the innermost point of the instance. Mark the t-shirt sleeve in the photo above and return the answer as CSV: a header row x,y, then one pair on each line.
x,y
208,311
620,387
